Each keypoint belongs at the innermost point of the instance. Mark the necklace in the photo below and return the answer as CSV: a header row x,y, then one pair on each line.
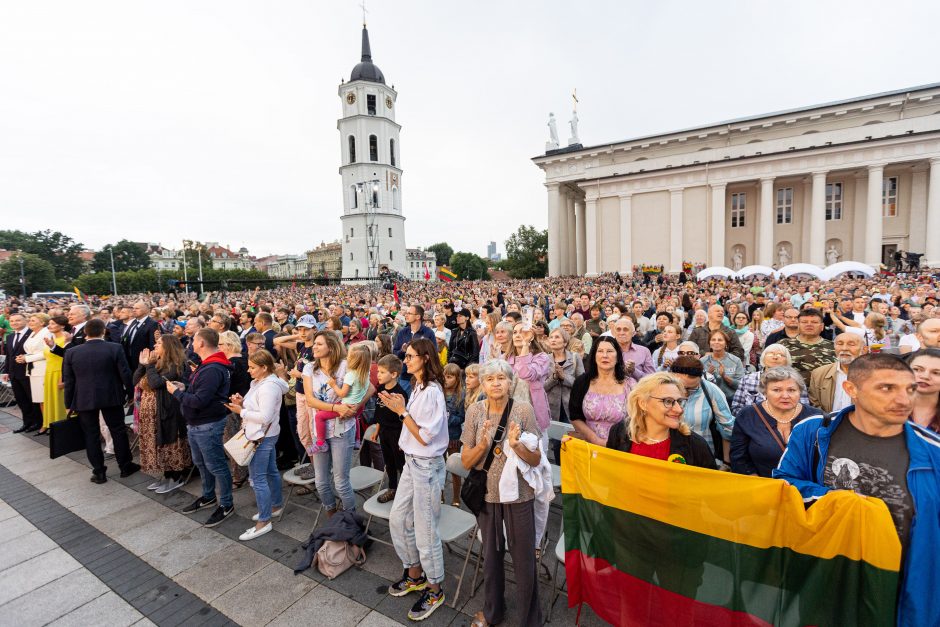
x,y
796,412
652,441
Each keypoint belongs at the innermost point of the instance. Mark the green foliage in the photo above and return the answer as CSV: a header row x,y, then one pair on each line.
x,y
443,252
127,256
192,251
40,275
58,249
469,266
527,253
130,282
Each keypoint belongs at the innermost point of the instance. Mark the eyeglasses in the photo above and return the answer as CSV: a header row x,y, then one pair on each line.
x,y
693,353
410,356
669,403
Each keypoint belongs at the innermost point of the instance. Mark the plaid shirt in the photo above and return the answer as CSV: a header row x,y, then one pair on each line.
x,y
748,393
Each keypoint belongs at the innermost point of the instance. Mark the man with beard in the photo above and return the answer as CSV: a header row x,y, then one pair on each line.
x,y
825,383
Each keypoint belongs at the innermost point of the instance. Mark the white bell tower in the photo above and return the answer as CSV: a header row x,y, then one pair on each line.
x,y
373,225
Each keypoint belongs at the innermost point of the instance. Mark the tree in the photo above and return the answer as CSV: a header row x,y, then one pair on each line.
x,y
443,252
527,253
58,249
191,252
469,266
127,256
40,275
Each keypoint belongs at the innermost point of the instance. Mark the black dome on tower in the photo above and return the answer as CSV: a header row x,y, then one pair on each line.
x,y
366,70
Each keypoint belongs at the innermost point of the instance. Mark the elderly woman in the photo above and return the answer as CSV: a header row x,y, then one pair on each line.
x,y
532,366
598,398
726,368
34,349
566,367
508,519
574,344
654,427
761,430
499,345
748,391
706,410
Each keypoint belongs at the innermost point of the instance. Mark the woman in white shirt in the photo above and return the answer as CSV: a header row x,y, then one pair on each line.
x,y
260,410
34,354
417,508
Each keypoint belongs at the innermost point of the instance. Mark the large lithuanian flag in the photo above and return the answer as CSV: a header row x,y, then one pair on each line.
x,y
656,543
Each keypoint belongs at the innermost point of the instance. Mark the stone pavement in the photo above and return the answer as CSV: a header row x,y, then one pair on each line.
x,y
76,553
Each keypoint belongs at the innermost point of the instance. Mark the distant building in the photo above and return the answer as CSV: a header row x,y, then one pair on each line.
x,y
326,261
163,258
421,264
263,263
225,259
491,253
288,267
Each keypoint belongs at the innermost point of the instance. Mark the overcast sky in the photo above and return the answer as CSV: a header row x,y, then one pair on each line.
x,y
216,120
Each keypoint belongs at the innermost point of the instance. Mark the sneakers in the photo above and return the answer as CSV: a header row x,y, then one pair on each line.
x,y
407,585
254,532
426,605
170,485
306,472
156,485
220,514
275,513
199,504
385,497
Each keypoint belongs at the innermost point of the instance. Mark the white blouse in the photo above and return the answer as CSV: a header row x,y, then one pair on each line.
x,y
429,410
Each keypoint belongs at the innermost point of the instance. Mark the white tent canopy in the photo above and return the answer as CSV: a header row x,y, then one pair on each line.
x,y
715,271
831,272
801,268
749,271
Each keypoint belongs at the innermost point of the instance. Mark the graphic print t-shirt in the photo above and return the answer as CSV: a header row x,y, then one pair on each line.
x,y
872,466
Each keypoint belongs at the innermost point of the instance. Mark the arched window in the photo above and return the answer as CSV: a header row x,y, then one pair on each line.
x,y
375,196
352,149
391,151
355,197
395,199
373,148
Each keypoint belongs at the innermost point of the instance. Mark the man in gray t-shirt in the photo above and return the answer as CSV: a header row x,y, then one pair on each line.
x,y
873,466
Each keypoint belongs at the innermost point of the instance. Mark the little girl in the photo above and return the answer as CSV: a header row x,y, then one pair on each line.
x,y
352,391
454,398
471,384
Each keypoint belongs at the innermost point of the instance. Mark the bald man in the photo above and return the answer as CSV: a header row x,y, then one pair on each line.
x,y
927,336
825,383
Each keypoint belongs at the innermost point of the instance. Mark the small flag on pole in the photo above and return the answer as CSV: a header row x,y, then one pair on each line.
x,y
78,293
427,274
446,274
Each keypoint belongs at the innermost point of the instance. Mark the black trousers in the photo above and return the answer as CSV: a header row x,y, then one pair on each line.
x,y
391,454
114,418
518,519
32,417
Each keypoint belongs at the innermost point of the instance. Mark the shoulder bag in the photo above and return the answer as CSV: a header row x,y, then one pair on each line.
x,y
335,557
773,432
241,449
473,491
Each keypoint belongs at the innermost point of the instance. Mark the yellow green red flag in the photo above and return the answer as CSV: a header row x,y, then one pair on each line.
x,y
649,542
446,274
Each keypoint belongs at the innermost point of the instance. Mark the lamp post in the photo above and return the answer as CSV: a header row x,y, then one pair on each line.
x,y
22,276
113,276
185,273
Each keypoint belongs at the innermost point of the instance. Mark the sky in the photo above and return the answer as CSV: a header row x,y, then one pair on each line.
x,y
215,120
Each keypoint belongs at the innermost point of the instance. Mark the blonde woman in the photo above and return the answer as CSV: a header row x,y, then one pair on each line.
x,y
654,427
34,349
486,347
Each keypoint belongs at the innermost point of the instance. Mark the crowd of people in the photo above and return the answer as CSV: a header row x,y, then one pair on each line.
x,y
825,384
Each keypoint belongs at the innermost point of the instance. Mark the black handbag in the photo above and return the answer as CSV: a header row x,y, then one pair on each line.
x,y
66,436
473,490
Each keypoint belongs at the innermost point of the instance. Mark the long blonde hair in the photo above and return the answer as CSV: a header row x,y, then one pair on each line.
x,y
359,361
643,390
455,371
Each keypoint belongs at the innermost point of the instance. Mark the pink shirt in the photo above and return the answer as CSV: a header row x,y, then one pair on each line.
x,y
534,369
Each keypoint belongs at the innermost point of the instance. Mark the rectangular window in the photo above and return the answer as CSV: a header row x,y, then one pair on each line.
x,y
370,104
889,197
389,231
352,232
738,204
785,205
833,201
350,256
390,255
373,148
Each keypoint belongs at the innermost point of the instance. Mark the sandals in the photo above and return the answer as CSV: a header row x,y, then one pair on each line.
x,y
303,490
479,620
387,496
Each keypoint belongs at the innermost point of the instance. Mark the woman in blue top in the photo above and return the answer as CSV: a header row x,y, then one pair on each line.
x,y
726,368
762,430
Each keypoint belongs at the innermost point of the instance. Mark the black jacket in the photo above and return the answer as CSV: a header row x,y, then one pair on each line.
x,y
693,448
204,401
96,375
464,347
12,351
144,337
241,380
344,526
115,330
77,340
170,422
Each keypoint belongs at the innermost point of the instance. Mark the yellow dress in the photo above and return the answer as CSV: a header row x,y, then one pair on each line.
x,y
53,398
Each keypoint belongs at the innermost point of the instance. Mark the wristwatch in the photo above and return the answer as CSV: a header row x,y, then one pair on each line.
x,y
404,415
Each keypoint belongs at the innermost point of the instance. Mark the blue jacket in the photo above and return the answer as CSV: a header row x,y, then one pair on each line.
x,y
204,401
919,603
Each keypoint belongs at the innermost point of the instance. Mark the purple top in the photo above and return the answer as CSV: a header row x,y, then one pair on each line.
x,y
640,355
603,411
533,369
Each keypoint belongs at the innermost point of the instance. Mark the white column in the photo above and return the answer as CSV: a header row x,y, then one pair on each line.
x,y
572,258
932,251
873,217
563,239
590,226
554,237
717,253
581,252
817,221
626,233
765,223
675,231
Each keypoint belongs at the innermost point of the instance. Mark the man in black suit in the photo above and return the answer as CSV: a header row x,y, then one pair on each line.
x,y
78,316
115,328
15,373
263,324
139,334
98,379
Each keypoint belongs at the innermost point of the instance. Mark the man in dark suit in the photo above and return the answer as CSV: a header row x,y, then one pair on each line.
x,y
115,328
263,324
78,316
139,334
15,373
98,379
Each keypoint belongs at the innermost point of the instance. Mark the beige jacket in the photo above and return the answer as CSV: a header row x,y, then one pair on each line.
x,y
822,386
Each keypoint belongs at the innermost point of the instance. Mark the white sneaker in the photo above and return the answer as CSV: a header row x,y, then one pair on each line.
x,y
252,533
169,486
275,513
159,483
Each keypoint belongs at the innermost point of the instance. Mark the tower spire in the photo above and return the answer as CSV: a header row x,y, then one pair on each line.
x,y
366,49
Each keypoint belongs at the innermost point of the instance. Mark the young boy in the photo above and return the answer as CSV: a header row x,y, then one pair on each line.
x,y
389,370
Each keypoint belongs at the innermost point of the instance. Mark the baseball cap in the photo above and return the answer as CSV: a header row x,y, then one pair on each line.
x,y
307,321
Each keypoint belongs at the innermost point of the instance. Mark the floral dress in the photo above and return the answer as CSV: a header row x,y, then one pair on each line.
x,y
603,411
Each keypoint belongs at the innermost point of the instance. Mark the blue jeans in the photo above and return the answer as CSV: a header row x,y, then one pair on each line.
x,y
336,462
205,442
265,479
416,513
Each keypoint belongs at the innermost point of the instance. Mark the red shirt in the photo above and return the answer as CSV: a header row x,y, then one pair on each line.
x,y
656,451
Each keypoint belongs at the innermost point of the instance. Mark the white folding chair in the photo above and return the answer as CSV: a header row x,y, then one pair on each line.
x,y
454,524
135,439
557,431
290,478
557,590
